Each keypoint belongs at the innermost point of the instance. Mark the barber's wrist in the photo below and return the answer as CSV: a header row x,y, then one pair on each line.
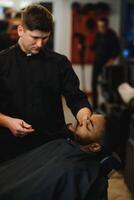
x,y
4,120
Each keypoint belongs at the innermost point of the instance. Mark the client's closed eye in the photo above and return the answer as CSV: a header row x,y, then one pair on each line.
x,y
90,125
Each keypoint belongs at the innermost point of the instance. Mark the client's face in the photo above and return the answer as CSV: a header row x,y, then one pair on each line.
x,y
92,130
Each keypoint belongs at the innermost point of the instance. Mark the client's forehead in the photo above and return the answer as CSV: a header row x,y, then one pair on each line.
x,y
98,120
98,117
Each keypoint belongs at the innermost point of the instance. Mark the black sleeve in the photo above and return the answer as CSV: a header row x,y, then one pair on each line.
x,y
115,45
96,42
3,94
75,98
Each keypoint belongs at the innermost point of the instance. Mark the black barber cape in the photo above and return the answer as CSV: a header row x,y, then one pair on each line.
x,y
58,170
31,89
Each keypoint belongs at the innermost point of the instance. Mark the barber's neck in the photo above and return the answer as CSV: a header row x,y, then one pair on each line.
x,y
22,47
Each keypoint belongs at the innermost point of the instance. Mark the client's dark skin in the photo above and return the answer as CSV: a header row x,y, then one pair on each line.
x,y
90,134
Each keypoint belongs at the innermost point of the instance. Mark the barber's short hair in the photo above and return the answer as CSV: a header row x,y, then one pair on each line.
x,y
37,17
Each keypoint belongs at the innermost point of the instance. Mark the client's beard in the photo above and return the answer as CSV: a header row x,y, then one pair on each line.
x,y
82,141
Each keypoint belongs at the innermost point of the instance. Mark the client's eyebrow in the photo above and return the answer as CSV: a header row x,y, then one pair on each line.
x,y
91,124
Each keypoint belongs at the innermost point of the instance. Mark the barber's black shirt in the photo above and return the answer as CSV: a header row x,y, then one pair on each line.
x,y
31,89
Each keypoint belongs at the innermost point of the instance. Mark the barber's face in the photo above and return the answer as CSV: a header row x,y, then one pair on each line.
x,y
32,41
92,129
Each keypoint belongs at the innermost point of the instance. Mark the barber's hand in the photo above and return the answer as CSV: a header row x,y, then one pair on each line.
x,y
18,127
83,116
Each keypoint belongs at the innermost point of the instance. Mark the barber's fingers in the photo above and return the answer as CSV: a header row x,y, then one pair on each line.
x,y
85,122
83,114
28,130
22,132
26,125
25,130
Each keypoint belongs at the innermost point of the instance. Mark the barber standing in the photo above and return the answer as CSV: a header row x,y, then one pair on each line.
x,y
106,47
32,80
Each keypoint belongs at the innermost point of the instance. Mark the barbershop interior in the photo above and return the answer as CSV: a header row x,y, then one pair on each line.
x,y
97,37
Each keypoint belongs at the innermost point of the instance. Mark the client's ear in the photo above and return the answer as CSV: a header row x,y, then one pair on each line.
x,y
94,147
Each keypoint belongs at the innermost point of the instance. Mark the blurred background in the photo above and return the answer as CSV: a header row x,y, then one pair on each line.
x,y
98,38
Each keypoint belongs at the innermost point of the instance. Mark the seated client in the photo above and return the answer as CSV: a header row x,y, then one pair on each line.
x,y
59,170
91,134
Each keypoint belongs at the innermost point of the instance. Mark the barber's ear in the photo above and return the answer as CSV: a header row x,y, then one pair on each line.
x,y
20,30
94,147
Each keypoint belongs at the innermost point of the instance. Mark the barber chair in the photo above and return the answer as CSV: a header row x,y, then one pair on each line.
x,y
129,174
109,163
112,77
